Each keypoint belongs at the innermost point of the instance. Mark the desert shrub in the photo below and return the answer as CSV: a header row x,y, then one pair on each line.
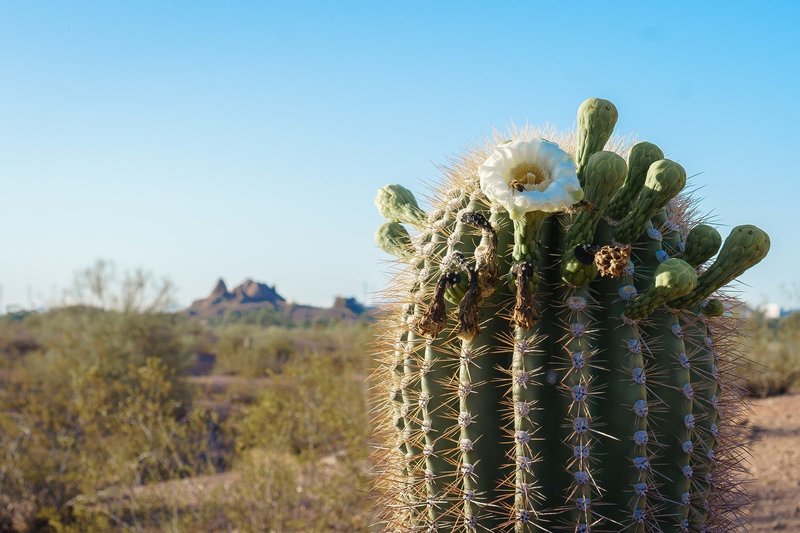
x,y
346,341
304,443
252,351
16,340
300,462
268,490
110,340
99,431
113,321
255,351
68,432
316,406
773,357
255,317
279,491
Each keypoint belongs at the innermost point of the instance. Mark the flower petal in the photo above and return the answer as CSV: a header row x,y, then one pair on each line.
x,y
562,191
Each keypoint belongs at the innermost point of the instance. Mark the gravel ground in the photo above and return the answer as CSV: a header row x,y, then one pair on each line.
x,y
776,464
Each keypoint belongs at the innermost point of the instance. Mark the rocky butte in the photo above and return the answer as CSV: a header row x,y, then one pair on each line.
x,y
254,296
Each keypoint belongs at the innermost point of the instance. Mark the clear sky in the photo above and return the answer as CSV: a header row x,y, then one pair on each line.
x,y
235,139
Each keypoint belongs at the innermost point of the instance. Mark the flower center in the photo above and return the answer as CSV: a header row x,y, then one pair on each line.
x,y
529,177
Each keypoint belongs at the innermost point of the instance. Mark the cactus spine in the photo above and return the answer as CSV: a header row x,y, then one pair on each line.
x,y
561,361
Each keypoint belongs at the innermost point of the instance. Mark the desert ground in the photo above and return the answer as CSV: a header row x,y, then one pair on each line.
x,y
775,464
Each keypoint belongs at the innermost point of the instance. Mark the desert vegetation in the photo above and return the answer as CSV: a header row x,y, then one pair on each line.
x,y
772,363
106,425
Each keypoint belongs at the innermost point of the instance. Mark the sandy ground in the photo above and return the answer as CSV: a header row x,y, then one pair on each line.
x,y
776,464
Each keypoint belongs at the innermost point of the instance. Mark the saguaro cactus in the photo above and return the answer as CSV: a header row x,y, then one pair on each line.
x,y
555,353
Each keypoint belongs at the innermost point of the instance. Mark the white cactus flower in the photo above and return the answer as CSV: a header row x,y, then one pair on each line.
x,y
534,175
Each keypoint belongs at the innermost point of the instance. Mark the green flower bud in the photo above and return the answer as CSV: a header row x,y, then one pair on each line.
x,y
596,120
746,246
642,155
664,181
673,278
701,244
397,204
713,307
603,175
393,238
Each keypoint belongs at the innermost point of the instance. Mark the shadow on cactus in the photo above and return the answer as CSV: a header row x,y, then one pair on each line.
x,y
555,355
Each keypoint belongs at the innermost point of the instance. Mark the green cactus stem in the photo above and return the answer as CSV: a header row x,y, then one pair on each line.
x,y
407,361
435,371
560,352
626,407
477,434
664,334
579,387
523,369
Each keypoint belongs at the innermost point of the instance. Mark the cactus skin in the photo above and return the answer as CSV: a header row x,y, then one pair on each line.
x,y
528,393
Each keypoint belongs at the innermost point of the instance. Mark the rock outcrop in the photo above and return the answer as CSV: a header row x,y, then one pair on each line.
x,y
252,296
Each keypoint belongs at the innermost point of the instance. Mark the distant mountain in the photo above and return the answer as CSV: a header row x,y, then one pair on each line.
x,y
249,295
349,304
252,297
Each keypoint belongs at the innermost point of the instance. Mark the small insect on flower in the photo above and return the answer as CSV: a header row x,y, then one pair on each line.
x,y
516,185
526,176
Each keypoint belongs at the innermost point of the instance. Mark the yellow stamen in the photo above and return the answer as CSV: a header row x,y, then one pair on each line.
x,y
532,177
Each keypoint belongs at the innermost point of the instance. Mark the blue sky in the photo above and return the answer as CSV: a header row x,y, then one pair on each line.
x,y
235,139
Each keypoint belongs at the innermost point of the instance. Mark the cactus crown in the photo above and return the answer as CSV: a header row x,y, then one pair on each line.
x,y
550,357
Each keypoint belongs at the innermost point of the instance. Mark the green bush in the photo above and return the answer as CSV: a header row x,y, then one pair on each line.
x,y
110,340
280,492
300,462
772,366
255,351
100,431
252,351
316,406
68,432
